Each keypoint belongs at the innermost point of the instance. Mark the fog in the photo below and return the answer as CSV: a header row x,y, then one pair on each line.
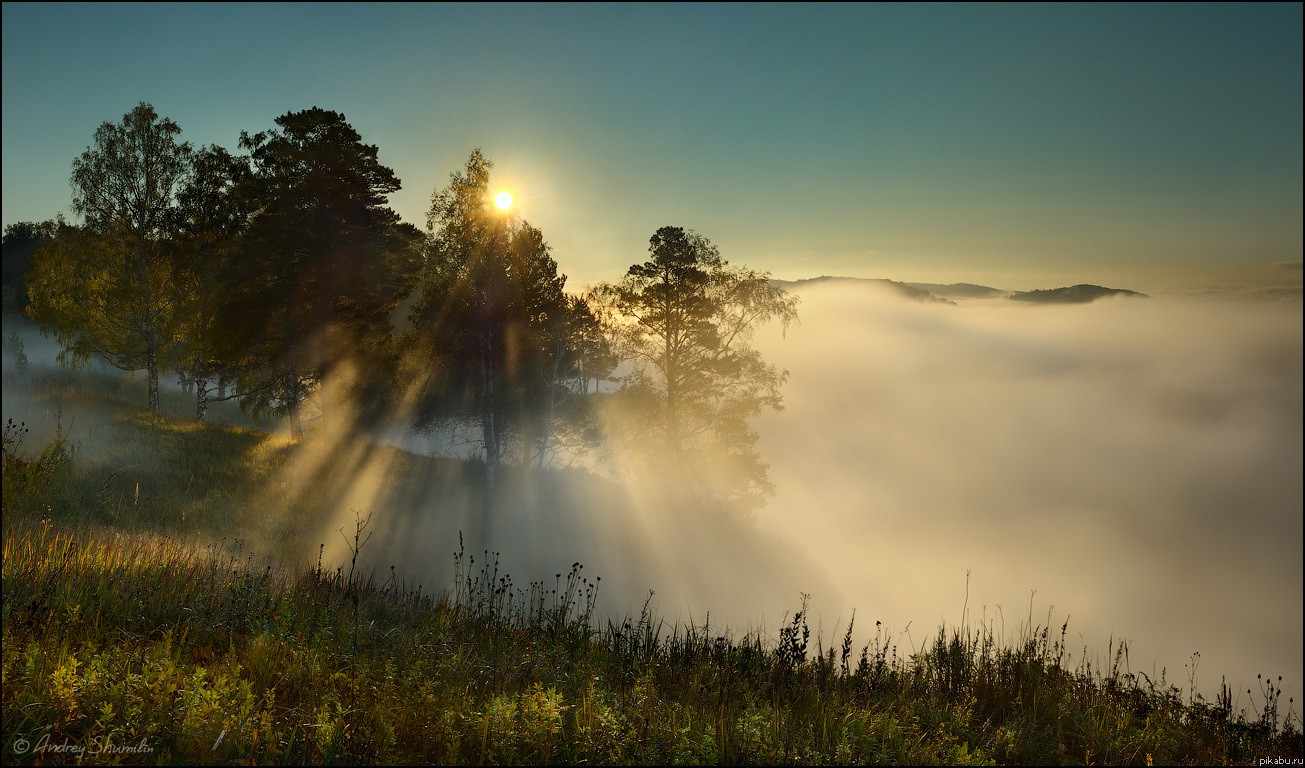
x,y
1131,465
1136,462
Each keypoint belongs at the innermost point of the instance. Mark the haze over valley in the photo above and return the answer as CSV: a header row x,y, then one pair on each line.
x,y
653,384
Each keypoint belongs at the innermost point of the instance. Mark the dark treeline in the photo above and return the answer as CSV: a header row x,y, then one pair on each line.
x,y
264,275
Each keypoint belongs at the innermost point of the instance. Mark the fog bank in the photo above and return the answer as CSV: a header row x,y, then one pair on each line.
x,y
1136,462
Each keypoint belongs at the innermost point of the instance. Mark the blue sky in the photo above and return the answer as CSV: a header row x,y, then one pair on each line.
x,y
1148,147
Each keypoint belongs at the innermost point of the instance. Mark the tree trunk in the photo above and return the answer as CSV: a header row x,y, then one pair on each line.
x,y
487,418
488,431
292,405
201,398
552,401
152,367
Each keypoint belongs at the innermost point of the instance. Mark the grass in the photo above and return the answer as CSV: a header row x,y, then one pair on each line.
x,y
128,637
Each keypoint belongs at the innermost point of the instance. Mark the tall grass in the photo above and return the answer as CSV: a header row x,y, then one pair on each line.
x,y
140,644
203,655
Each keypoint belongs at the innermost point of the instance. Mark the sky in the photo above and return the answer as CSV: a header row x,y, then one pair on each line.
x,y
1145,147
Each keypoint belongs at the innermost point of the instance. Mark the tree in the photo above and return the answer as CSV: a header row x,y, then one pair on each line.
x,y
576,349
107,290
21,240
321,266
100,301
689,320
593,337
14,346
490,298
211,214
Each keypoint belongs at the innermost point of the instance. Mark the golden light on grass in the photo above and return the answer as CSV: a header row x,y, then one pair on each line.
x,y
503,200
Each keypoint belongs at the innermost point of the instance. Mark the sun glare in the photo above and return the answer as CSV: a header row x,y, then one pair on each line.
x,y
503,201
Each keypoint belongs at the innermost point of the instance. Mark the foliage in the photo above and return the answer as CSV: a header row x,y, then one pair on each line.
x,y
490,328
100,301
212,212
319,269
129,180
107,289
689,318
21,239
26,476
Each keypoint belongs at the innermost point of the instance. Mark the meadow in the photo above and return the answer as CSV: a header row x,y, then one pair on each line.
x,y
139,627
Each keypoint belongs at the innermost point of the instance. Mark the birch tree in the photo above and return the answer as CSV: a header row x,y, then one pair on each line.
x,y
107,290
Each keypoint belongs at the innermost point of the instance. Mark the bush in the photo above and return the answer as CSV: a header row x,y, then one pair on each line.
x,y
26,477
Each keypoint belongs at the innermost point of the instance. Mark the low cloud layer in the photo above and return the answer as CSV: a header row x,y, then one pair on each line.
x,y
1137,463
1133,466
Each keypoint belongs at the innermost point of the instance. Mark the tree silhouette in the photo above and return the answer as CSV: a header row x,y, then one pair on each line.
x,y
483,328
21,240
593,337
689,320
318,273
577,348
212,213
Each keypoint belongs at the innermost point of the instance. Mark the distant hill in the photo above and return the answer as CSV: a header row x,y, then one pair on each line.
x,y
1074,294
959,290
904,289
939,293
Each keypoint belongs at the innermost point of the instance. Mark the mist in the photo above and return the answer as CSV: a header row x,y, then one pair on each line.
x,y
1131,466
1137,463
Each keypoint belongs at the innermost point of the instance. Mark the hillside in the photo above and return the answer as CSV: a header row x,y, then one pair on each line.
x,y
1075,294
904,290
155,613
959,290
942,293
168,475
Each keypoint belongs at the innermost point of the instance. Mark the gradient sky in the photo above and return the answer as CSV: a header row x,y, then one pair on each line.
x,y
1153,147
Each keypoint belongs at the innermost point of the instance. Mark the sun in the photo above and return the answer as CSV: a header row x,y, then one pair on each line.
x,y
503,200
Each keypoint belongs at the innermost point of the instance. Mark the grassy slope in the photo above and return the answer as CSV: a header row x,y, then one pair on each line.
x,y
121,627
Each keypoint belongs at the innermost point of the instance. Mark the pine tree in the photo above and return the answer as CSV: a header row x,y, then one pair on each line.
x,y
319,269
490,293
689,318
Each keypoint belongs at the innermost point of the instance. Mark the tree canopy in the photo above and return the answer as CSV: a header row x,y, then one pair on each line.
x,y
490,293
319,269
106,288
21,240
689,320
